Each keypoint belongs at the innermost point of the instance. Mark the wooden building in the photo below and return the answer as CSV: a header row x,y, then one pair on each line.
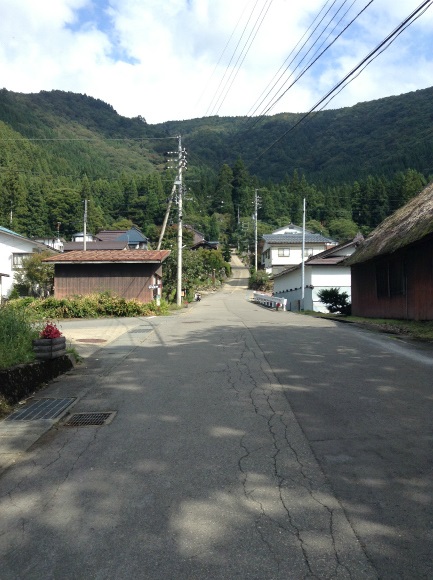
x,y
392,271
131,274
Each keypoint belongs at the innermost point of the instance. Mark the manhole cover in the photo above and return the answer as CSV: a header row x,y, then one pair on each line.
x,y
93,340
89,419
41,409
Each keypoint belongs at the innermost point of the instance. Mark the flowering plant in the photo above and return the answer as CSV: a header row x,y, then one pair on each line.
x,y
50,331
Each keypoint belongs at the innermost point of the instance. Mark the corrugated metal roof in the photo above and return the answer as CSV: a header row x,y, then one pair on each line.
x,y
77,246
101,256
297,239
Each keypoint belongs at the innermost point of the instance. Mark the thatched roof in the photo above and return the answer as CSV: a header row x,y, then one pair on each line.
x,y
407,225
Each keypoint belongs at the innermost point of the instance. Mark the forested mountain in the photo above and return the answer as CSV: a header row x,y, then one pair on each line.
x,y
354,166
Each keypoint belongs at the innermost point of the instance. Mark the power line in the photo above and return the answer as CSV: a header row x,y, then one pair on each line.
x,y
88,139
245,50
308,66
231,58
291,52
222,54
366,61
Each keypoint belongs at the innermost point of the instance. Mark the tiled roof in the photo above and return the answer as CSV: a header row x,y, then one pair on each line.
x,y
132,235
296,239
104,256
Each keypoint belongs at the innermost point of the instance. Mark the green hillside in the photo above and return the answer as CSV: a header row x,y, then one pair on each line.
x,y
343,145
354,166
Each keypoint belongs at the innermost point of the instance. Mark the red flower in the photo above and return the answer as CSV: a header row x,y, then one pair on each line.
x,y
50,331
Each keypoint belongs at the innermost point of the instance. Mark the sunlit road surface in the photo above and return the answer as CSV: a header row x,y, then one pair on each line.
x,y
247,443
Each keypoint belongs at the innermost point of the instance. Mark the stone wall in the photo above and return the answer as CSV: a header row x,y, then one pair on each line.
x,y
21,381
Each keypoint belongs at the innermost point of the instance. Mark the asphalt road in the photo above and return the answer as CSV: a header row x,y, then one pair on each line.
x,y
247,443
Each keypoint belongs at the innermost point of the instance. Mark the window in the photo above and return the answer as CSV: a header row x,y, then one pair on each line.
x,y
308,252
17,260
283,252
390,279
396,279
382,288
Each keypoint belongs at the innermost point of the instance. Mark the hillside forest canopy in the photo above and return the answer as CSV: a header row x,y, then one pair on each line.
x,y
354,167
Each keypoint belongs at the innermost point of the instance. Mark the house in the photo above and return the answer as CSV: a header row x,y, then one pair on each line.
x,y
131,274
198,237
97,245
13,249
283,247
134,237
205,245
321,271
392,270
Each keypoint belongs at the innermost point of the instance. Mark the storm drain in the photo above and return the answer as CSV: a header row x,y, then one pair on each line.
x,y
89,419
41,409
140,330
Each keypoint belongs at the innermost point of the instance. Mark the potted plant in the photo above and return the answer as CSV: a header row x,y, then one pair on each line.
x,y
50,344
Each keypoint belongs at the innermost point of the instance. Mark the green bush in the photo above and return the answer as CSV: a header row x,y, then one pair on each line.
x,y
91,306
16,335
259,280
336,302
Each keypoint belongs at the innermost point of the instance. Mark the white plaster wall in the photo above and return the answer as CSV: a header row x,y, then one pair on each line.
x,y
10,245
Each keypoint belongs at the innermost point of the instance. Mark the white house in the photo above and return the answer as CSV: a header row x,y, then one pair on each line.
x,y
13,248
283,247
321,271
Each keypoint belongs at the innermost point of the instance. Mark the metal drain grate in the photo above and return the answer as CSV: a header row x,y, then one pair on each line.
x,y
41,409
89,419
140,330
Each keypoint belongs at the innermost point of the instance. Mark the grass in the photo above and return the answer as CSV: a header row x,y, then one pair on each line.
x,y
416,329
16,335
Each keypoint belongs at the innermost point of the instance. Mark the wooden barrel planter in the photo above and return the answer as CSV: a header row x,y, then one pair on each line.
x,y
49,348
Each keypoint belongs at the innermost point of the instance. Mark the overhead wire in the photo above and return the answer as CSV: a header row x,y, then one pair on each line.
x,y
296,55
362,65
314,60
210,107
235,71
365,65
221,55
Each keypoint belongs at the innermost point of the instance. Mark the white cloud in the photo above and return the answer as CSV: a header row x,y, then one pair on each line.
x,y
159,59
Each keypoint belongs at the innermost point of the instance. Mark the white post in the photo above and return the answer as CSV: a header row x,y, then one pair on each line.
x,y
85,226
255,230
303,259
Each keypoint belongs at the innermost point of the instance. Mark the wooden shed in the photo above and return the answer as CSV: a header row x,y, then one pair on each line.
x,y
132,274
392,271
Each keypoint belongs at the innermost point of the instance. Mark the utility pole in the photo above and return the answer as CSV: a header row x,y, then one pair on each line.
x,y
303,258
167,213
85,226
181,165
255,228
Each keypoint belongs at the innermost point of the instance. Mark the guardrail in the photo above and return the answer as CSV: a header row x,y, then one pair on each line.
x,y
270,301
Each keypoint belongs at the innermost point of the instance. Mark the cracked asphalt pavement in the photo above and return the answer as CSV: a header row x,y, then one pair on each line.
x,y
247,443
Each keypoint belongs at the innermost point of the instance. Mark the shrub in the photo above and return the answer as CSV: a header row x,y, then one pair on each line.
x,y
336,302
91,306
259,280
16,335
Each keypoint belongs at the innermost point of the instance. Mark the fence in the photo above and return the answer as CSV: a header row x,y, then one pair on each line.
x,y
270,301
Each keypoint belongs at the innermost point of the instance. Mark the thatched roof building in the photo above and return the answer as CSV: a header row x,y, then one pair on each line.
x,y
407,225
392,270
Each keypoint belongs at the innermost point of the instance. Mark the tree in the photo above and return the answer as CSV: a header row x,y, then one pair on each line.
x,y
36,278
343,229
242,197
222,201
336,302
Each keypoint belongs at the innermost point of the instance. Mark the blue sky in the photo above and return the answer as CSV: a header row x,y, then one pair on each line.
x,y
165,60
